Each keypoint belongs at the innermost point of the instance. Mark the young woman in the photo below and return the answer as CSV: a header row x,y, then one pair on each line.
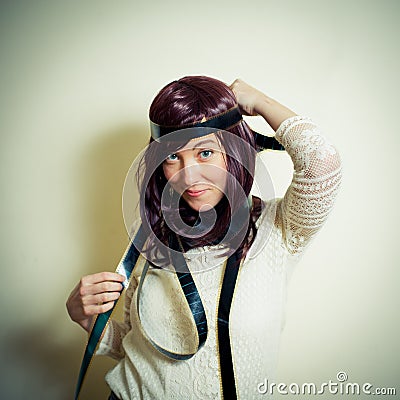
x,y
210,313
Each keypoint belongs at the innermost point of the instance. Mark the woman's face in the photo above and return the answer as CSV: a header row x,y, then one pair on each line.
x,y
198,172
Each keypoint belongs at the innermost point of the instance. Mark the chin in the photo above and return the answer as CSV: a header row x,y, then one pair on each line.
x,y
201,207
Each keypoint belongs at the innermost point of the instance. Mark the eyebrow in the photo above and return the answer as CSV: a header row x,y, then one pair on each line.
x,y
203,143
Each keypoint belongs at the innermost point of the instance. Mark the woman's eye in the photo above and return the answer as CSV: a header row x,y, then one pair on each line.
x,y
172,157
206,154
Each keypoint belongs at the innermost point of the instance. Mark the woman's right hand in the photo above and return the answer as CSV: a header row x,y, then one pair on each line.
x,y
94,294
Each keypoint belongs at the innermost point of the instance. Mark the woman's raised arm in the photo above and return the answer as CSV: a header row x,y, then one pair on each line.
x,y
317,167
253,102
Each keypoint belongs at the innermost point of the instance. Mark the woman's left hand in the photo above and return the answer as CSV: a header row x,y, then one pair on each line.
x,y
253,102
248,97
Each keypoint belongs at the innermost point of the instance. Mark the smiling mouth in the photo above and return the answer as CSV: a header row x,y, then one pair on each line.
x,y
195,193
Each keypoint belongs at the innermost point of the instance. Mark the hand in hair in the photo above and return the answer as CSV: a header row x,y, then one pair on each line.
x,y
253,102
94,294
247,97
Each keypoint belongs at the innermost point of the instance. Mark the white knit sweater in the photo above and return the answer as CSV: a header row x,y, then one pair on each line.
x,y
285,228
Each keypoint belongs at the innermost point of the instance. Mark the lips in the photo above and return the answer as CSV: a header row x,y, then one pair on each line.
x,y
195,193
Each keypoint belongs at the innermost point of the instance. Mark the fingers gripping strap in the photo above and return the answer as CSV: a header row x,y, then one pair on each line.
x,y
125,267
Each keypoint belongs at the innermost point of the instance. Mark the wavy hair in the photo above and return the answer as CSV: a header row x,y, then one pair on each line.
x,y
181,102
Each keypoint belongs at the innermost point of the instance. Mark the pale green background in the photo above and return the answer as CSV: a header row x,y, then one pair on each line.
x,y
76,81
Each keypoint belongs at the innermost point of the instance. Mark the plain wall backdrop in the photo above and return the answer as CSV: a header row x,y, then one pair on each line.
x,y
76,82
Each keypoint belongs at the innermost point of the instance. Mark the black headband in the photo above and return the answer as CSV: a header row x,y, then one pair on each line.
x,y
223,121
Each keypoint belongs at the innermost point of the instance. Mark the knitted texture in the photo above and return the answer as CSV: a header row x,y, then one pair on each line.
x,y
285,228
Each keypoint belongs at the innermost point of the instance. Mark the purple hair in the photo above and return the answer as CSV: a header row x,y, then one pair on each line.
x,y
182,102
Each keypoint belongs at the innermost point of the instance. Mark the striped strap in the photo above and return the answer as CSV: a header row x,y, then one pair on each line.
x,y
193,299
223,121
125,267
224,342
267,142
194,302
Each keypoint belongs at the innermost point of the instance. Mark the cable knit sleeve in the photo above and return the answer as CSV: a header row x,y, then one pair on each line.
x,y
316,179
111,343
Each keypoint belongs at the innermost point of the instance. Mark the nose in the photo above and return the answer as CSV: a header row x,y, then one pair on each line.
x,y
190,174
